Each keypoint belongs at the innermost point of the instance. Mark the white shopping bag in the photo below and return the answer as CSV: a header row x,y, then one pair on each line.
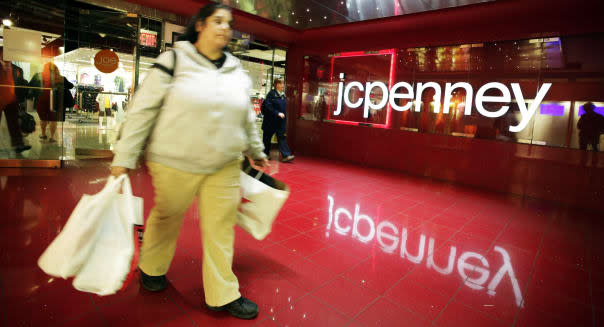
x,y
260,205
98,245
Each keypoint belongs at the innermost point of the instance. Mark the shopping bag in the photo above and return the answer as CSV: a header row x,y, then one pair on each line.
x,y
99,242
67,253
263,197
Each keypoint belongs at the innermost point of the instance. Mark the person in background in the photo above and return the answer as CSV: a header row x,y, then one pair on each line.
x,y
49,112
195,111
590,125
274,121
9,102
68,101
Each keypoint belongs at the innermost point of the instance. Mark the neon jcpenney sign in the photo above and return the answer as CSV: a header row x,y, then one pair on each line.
x,y
404,90
391,241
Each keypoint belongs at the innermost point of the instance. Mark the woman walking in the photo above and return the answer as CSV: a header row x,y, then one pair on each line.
x,y
194,115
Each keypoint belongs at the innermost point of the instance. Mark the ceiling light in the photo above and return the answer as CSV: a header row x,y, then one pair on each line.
x,y
324,17
7,22
296,22
279,16
307,10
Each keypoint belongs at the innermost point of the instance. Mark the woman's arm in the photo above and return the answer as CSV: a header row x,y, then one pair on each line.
x,y
142,113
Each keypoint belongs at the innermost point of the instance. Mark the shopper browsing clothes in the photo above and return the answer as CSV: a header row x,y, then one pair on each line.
x,y
273,110
195,107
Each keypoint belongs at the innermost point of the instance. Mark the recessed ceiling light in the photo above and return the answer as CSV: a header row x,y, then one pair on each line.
x,y
7,22
324,17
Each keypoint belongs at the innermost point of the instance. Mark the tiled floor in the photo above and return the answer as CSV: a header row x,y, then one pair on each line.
x,y
352,247
79,134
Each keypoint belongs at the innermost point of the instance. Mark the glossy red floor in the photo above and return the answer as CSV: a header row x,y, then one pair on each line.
x,y
353,246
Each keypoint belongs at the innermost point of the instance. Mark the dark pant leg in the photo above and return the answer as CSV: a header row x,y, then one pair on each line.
x,y
11,111
283,147
267,135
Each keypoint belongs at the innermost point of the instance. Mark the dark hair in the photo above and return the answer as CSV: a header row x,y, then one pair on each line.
x,y
206,11
588,107
277,81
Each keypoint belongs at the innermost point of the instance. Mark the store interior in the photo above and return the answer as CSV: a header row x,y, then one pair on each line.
x,y
89,127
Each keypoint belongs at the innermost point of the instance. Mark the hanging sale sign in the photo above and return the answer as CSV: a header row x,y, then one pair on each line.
x,y
148,38
106,61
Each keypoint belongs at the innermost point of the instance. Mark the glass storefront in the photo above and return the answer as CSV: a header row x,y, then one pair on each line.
x,y
530,91
75,85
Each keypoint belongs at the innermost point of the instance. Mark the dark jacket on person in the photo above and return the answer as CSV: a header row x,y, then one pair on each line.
x,y
272,106
20,93
68,101
590,125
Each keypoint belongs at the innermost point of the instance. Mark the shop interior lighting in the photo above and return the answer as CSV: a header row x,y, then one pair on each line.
x,y
7,22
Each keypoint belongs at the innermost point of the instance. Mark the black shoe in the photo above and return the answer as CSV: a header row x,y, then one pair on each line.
x,y
241,308
21,148
153,283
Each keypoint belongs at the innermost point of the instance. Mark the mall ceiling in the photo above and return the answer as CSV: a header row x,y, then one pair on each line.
x,y
305,14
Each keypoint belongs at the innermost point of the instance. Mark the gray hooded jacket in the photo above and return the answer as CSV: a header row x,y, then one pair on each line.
x,y
196,121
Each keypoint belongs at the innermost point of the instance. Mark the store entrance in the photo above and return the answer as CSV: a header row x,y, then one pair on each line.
x,y
71,67
263,63
100,62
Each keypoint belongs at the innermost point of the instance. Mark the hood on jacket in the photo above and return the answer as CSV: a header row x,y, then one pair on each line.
x,y
190,50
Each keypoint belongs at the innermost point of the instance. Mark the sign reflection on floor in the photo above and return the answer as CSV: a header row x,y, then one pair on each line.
x,y
390,241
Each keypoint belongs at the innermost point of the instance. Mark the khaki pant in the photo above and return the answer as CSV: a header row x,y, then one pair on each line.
x,y
219,198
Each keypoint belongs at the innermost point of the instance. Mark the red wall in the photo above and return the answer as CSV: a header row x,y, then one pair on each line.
x,y
565,175
557,174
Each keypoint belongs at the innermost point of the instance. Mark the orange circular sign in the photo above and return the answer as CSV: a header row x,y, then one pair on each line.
x,y
106,61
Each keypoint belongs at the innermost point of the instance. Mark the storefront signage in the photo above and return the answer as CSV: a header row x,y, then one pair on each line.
x,y
106,61
407,92
148,38
473,268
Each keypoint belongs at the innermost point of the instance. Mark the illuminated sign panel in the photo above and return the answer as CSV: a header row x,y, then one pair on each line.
x,y
377,66
362,90
148,38
403,90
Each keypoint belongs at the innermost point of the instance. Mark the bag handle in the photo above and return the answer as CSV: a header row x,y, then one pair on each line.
x,y
258,175
122,182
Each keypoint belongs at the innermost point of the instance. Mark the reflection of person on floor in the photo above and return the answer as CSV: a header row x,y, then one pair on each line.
x,y
590,125
274,121
9,104
48,112
198,115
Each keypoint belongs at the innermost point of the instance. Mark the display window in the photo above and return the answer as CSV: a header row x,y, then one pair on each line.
x,y
526,91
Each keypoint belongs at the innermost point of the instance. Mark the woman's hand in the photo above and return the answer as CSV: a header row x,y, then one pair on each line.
x,y
117,171
259,164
